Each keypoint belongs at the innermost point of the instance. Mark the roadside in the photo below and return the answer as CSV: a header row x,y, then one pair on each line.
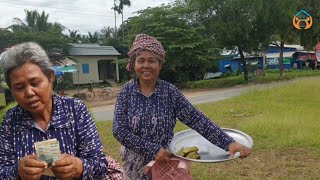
x,y
99,104
103,105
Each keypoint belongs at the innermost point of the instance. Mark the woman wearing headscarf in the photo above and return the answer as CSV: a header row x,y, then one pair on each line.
x,y
147,108
41,115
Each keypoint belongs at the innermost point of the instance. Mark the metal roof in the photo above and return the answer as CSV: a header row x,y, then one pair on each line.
x,y
277,55
63,62
92,50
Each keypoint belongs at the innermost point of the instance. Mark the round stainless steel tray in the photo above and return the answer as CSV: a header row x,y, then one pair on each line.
x,y
208,152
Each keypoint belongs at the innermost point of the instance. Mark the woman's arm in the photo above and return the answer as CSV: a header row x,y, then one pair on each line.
x,y
125,136
196,120
89,148
8,159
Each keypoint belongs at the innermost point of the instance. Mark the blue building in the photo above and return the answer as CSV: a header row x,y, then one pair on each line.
x,y
273,56
233,64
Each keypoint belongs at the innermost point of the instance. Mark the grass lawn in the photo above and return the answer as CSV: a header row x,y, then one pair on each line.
x,y
283,122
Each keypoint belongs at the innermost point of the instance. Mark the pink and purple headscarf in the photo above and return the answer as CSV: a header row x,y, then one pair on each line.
x,y
147,43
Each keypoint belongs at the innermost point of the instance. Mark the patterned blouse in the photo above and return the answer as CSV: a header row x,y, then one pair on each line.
x,y
144,124
71,124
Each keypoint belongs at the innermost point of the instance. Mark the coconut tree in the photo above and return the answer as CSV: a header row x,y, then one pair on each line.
x,y
74,35
94,37
107,32
35,22
119,9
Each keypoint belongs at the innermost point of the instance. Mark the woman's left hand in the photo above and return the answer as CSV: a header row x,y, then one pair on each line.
x,y
236,147
67,167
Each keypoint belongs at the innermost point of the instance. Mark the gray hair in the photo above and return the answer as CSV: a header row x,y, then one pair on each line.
x,y
21,54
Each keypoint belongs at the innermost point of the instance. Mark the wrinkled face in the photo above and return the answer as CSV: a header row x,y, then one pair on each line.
x,y
31,88
147,66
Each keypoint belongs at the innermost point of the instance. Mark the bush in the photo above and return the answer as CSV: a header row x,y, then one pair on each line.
x,y
216,83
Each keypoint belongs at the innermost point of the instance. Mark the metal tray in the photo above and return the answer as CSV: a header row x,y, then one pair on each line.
x,y
208,152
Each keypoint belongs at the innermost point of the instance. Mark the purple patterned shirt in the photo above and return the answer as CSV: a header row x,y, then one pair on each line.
x,y
71,124
144,124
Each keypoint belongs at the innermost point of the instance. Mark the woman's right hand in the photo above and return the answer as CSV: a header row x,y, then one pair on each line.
x,y
30,168
163,156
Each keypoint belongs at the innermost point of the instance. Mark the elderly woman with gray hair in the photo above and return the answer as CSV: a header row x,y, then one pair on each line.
x,y
41,115
147,108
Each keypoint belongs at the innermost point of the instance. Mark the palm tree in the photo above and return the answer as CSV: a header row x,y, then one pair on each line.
x,y
93,38
35,22
29,26
107,32
119,9
42,21
74,35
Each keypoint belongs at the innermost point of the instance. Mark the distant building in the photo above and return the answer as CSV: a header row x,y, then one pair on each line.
x,y
293,57
273,56
232,64
95,63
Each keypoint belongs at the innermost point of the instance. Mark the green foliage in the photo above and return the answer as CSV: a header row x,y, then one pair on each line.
x,y
48,40
74,36
123,72
5,109
188,51
309,38
216,83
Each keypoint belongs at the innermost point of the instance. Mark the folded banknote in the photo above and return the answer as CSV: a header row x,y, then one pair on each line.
x,y
48,151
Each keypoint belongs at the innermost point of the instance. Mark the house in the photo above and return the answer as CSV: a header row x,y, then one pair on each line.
x,y
95,63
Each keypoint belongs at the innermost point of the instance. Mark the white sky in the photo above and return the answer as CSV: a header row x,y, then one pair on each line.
x,y
81,15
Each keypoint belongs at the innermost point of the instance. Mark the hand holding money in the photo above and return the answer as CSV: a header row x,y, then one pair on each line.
x,y
63,166
67,167
30,168
48,151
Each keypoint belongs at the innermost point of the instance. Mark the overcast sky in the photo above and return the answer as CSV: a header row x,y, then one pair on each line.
x,y
81,15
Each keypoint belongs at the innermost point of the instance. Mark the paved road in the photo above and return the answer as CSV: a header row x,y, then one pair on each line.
x,y
106,112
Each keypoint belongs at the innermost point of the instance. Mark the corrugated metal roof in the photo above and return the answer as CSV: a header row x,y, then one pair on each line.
x,y
298,47
64,62
92,50
277,55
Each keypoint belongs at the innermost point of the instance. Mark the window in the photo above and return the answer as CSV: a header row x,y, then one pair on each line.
x,y
85,68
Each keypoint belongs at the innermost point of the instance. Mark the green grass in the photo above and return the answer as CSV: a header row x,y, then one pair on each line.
x,y
283,122
270,76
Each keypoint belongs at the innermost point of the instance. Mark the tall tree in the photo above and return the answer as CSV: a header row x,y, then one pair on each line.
x,y
233,24
119,9
310,37
188,52
279,21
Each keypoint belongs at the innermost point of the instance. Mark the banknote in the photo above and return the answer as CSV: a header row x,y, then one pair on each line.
x,y
48,151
